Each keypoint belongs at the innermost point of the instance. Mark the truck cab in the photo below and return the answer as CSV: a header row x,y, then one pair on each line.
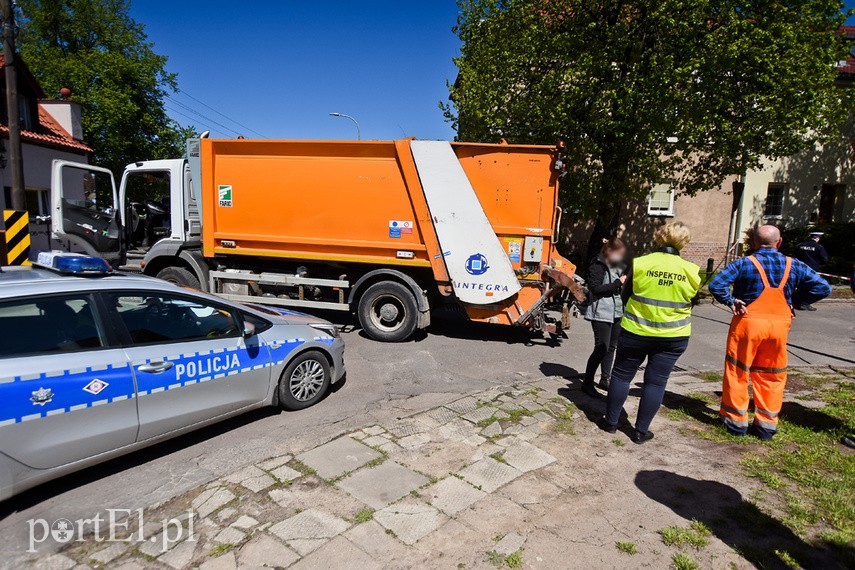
x,y
150,224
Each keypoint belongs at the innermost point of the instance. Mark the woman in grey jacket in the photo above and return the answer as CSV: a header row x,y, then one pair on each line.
x,y
605,309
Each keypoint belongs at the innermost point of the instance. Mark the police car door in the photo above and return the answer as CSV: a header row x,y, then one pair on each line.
x,y
85,211
190,359
67,392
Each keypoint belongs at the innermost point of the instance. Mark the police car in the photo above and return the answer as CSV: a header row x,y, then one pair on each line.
x,y
95,364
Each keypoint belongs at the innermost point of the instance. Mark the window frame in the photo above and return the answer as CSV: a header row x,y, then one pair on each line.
x,y
105,328
669,213
126,340
783,188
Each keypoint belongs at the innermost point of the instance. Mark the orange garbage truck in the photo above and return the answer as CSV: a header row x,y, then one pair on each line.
x,y
387,230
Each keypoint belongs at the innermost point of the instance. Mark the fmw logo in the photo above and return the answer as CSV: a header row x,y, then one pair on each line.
x,y
224,195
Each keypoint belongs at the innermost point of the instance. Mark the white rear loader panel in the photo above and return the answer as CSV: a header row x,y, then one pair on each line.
x,y
476,261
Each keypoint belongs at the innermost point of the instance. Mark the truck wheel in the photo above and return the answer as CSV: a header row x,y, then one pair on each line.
x,y
180,276
388,311
304,381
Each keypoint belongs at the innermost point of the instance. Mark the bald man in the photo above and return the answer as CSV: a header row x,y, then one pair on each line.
x,y
763,285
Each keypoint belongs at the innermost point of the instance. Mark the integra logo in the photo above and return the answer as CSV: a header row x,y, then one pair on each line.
x,y
477,264
472,286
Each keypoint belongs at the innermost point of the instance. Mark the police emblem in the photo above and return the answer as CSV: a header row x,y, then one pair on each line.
x,y
95,387
42,396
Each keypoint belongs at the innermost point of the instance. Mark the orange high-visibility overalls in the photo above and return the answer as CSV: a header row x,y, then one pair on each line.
x,y
757,349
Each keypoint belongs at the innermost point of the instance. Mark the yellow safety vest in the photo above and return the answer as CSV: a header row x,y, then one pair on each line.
x,y
663,286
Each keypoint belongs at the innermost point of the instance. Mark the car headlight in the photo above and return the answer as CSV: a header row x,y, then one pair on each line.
x,y
327,328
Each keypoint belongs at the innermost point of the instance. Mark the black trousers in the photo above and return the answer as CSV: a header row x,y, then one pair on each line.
x,y
661,355
603,355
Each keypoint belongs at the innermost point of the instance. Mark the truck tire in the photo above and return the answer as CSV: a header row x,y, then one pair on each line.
x,y
388,312
305,381
180,276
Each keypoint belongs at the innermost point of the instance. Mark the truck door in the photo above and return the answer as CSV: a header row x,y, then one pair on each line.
x,y
85,213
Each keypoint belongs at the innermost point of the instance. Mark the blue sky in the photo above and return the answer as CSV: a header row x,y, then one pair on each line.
x,y
290,63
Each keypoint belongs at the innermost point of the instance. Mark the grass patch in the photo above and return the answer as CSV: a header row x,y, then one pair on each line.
x,y
705,397
682,561
514,416
514,560
709,376
564,427
220,549
627,547
696,535
363,516
499,457
618,442
484,423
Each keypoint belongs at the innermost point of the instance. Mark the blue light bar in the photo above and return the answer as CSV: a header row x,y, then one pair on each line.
x,y
72,263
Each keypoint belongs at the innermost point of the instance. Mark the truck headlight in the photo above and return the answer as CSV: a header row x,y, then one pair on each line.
x,y
327,328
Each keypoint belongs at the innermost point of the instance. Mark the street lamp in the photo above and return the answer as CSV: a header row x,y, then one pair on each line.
x,y
358,133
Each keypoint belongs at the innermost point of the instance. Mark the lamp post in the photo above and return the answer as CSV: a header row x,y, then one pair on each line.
x,y
358,133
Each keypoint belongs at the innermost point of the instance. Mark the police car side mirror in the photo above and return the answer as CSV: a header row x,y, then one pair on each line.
x,y
248,329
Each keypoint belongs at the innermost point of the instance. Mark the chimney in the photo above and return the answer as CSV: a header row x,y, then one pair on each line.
x,y
67,114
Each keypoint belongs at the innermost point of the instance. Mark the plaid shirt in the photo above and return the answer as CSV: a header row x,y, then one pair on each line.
x,y
804,282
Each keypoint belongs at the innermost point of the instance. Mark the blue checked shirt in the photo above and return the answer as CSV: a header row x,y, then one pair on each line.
x,y
804,282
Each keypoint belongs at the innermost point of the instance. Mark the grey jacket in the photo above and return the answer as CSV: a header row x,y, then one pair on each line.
x,y
604,291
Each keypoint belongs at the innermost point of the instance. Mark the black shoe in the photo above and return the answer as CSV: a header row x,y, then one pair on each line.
x,y
848,441
606,426
589,390
639,438
808,308
604,384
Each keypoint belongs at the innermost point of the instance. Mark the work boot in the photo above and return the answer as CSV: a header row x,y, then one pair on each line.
x,y
641,437
604,425
589,389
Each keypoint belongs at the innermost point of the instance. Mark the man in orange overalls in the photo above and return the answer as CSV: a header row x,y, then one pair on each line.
x,y
764,284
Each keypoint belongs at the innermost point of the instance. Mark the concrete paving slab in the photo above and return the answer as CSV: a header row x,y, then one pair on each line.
x,y
273,463
373,538
107,555
381,485
218,498
533,488
311,523
180,556
375,440
526,457
224,562
492,430
488,474
229,535
285,473
440,415
314,492
509,544
414,441
245,522
410,521
405,427
480,414
338,553
451,495
258,484
56,562
338,457
463,405
374,430
264,550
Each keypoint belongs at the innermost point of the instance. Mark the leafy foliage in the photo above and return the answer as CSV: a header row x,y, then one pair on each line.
x,y
97,50
649,90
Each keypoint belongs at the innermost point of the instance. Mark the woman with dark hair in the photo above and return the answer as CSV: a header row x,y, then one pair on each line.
x,y
604,311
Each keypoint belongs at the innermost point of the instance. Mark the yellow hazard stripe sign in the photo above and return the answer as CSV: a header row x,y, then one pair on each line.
x,y
17,237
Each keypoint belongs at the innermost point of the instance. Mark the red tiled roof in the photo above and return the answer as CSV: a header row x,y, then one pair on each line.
x,y
48,132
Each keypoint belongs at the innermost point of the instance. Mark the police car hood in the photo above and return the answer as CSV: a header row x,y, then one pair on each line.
x,y
286,315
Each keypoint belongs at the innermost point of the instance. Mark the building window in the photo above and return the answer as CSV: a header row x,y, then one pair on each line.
x,y
25,113
775,195
660,201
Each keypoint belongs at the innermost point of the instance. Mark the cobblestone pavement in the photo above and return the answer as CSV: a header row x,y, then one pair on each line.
x,y
514,476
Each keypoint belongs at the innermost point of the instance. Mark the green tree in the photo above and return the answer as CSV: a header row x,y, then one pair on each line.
x,y
649,90
98,51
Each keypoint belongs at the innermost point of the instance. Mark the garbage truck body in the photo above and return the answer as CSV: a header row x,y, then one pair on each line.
x,y
385,229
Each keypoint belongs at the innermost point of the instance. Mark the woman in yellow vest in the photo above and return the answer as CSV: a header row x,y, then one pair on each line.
x,y
656,326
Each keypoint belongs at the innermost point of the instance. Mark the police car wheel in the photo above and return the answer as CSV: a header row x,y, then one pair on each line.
x,y
388,311
305,381
179,276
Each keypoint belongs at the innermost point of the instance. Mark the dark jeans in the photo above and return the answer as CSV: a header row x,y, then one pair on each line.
x,y
661,355
605,342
